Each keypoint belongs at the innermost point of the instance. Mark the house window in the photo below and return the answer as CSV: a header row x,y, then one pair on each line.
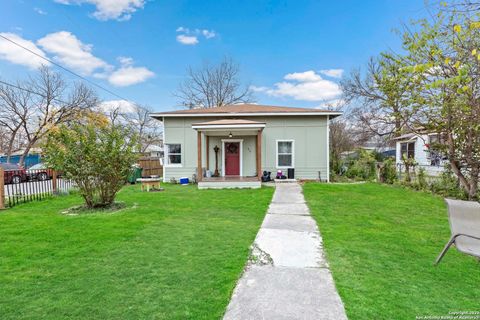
x,y
285,149
174,154
434,153
408,150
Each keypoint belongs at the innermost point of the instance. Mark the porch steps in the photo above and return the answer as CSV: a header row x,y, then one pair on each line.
x,y
229,184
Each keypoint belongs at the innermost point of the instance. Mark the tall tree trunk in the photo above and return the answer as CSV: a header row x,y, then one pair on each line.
x,y
473,188
26,152
10,143
464,183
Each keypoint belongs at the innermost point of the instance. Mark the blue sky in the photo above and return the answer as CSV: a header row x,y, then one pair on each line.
x,y
292,53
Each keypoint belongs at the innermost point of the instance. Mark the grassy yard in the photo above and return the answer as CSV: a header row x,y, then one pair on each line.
x,y
381,243
173,255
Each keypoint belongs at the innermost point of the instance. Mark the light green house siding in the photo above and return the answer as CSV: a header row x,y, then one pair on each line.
x,y
309,133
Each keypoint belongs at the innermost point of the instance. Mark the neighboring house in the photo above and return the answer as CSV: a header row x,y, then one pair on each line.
x,y
418,147
154,151
379,146
33,158
249,139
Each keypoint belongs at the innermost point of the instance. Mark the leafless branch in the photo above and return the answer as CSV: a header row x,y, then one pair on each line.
x,y
212,86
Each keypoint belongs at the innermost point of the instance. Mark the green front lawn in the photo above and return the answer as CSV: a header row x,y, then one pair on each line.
x,y
172,255
381,242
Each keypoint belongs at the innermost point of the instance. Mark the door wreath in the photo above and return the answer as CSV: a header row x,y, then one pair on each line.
x,y
232,148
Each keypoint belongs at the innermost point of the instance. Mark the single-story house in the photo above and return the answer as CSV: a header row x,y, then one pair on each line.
x,y
231,146
154,151
418,147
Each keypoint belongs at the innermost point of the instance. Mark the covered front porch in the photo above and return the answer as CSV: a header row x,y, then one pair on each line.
x,y
229,153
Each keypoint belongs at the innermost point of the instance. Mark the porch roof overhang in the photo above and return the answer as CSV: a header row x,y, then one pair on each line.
x,y
406,137
230,127
229,124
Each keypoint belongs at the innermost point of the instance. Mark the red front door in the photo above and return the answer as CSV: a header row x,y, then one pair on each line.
x,y
232,158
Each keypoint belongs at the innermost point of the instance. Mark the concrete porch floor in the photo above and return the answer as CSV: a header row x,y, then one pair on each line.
x,y
229,182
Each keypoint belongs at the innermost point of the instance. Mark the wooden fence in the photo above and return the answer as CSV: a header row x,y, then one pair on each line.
x,y
151,166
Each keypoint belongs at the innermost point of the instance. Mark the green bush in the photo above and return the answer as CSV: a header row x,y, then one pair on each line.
x,y
97,157
447,185
388,171
362,168
409,166
421,182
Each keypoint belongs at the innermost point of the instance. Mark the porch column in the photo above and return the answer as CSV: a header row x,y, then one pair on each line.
x,y
207,147
199,156
259,154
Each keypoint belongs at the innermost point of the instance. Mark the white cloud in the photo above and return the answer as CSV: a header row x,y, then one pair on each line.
x,y
120,10
334,73
334,104
190,37
40,11
125,61
112,105
70,51
259,89
307,86
18,55
188,40
128,75
208,33
307,76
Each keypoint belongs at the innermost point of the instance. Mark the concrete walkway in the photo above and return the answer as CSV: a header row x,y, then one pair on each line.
x,y
287,276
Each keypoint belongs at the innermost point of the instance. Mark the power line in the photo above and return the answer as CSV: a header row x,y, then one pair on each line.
x,y
67,70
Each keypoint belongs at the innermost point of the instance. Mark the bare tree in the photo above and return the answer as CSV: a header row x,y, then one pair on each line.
x,y
4,140
15,109
341,140
115,115
213,86
53,104
145,127
378,96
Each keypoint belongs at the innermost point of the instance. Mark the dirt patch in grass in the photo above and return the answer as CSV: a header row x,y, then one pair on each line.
x,y
82,210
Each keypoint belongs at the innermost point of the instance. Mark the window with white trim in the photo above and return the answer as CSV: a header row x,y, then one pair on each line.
x,y
285,149
174,154
407,150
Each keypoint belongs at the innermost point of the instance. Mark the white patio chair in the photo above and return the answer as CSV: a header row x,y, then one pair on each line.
x,y
464,217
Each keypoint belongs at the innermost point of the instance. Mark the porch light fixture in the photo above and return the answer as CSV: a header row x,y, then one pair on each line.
x,y
230,135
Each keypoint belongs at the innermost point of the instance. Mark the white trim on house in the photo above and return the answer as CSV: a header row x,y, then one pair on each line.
x,y
166,153
328,152
293,153
250,114
228,126
223,155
